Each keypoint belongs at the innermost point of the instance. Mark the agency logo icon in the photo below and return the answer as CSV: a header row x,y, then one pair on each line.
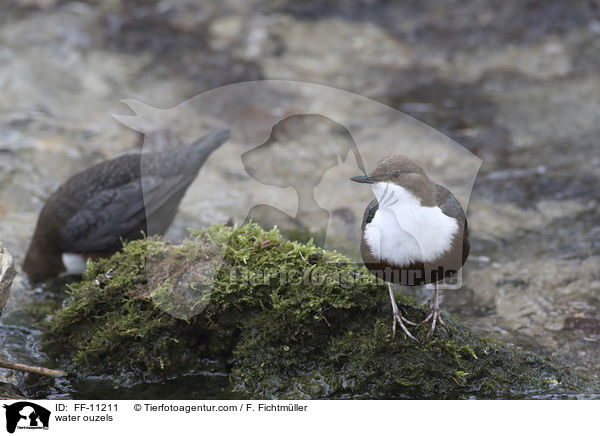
x,y
26,415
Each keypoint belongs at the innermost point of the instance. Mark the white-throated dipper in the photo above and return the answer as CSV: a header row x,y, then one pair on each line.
x,y
414,233
118,199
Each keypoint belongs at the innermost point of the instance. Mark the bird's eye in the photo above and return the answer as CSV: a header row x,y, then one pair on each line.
x,y
396,174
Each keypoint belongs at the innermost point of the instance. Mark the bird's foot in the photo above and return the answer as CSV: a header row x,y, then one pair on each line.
x,y
400,320
435,318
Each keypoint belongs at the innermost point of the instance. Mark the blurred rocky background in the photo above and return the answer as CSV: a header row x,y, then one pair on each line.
x,y
515,82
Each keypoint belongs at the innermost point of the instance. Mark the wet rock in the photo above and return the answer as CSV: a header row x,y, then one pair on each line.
x,y
587,325
525,187
461,111
470,24
539,298
517,283
10,392
172,23
551,112
316,51
33,4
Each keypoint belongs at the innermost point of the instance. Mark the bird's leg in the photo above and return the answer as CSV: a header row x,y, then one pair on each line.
x,y
398,318
434,315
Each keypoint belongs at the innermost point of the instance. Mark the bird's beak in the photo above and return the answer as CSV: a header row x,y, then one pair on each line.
x,y
363,179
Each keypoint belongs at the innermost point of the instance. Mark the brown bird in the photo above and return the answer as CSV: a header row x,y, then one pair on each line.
x,y
118,199
414,233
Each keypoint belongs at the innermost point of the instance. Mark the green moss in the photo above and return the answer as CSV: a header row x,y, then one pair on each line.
x,y
288,320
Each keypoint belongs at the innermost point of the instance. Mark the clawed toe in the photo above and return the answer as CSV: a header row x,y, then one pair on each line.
x,y
408,321
435,318
399,319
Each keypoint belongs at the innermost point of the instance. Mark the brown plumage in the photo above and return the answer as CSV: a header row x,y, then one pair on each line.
x,y
118,199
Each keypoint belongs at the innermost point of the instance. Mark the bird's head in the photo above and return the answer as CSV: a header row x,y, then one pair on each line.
x,y
43,259
398,170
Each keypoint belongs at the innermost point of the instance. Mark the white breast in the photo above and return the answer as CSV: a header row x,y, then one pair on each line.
x,y
402,231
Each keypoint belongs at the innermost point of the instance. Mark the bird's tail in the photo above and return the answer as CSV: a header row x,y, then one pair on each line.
x,y
200,149
212,140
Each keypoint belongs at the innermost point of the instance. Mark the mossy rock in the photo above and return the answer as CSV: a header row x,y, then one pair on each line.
x,y
316,326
